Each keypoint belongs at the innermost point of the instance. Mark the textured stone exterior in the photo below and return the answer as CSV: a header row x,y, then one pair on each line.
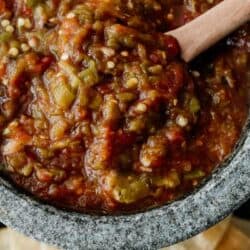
x,y
227,188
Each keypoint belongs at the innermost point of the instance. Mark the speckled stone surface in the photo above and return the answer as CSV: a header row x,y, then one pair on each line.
x,y
227,188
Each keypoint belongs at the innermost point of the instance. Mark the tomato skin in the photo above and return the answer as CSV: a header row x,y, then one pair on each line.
x,y
2,6
174,135
172,46
125,139
26,11
172,80
2,70
30,64
154,58
43,64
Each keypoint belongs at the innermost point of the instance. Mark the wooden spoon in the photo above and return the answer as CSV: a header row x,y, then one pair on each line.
x,y
207,29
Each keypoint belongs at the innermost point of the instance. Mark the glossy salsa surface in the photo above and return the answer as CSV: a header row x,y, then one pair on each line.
x,y
98,113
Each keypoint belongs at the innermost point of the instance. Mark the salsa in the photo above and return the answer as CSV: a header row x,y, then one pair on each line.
x,y
98,113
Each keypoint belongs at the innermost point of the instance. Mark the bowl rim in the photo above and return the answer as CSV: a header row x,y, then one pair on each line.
x,y
226,189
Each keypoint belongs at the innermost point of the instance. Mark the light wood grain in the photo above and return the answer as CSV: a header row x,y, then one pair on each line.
x,y
204,31
208,240
11,240
234,240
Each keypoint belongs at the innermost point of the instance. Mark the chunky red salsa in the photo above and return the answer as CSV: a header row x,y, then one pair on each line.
x,y
99,113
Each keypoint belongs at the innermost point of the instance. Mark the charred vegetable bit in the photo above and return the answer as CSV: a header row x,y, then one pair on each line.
x,y
99,113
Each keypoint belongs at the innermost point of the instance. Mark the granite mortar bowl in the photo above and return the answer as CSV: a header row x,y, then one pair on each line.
x,y
219,195
226,189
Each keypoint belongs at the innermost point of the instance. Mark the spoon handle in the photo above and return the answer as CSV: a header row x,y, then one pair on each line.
x,y
204,31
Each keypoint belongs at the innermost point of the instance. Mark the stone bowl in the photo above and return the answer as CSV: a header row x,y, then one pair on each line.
x,y
226,189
